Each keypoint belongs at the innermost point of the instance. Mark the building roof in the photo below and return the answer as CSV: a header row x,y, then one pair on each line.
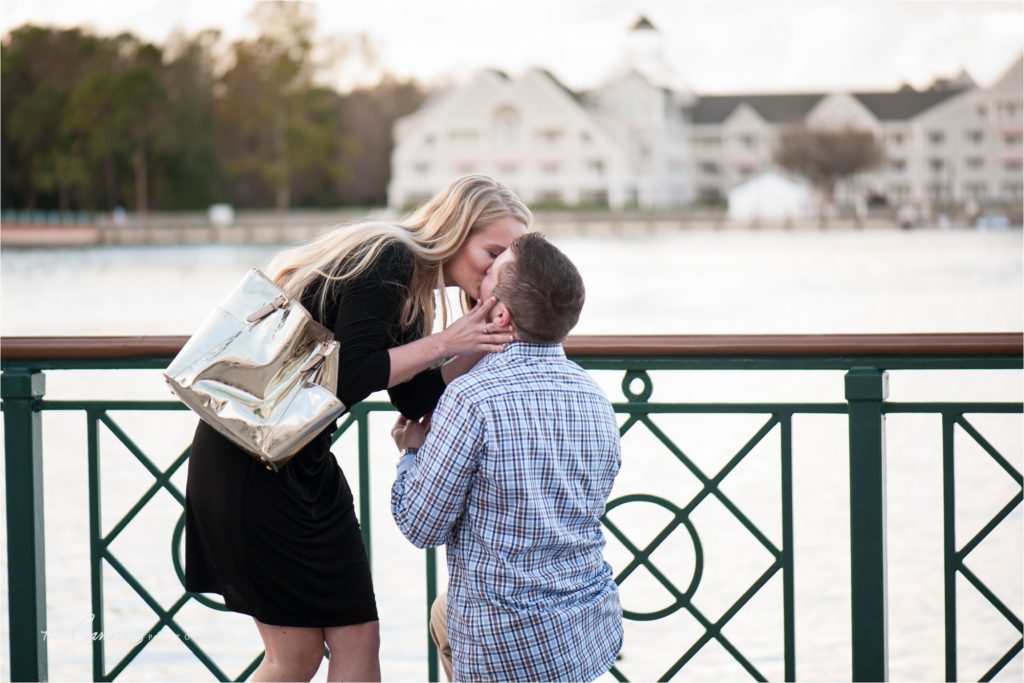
x,y
772,108
903,104
643,24
578,96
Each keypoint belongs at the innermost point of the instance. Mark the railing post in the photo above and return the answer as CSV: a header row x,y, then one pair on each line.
x,y
26,553
866,391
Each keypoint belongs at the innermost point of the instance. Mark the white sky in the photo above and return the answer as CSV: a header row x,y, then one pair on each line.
x,y
718,46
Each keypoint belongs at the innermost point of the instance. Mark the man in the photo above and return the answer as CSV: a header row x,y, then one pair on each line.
x,y
514,476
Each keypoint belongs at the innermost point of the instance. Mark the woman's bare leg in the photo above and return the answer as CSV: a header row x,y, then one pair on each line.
x,y
355,652
292,653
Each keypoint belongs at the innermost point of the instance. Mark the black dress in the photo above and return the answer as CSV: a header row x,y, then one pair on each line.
x,y
286,547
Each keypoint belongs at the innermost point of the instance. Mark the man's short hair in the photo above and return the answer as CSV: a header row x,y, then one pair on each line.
x,y
542,289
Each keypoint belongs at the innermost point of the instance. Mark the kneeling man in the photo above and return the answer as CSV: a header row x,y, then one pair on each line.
x,y
513,476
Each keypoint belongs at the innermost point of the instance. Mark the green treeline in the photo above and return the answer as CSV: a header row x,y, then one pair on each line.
x,y
89,123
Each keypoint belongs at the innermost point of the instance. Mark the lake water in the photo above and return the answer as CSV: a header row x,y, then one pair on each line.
x,y
687,283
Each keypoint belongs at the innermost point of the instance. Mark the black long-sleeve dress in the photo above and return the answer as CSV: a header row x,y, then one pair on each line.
x,y
285,547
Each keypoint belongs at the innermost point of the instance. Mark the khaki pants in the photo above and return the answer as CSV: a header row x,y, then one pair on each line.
x,y
439,632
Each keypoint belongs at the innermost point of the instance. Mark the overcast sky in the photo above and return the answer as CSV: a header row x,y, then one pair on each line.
x,y
718,47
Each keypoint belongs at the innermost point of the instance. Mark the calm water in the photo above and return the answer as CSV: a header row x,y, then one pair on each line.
x,y
701,282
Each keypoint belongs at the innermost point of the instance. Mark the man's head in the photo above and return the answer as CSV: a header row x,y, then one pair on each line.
x,y
538,289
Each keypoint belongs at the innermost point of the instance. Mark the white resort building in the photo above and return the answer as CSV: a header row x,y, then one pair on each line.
x,y
644,139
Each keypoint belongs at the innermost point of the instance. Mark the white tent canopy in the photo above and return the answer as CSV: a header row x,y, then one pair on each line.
x,y
770,197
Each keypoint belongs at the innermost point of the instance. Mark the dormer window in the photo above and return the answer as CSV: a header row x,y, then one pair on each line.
x,y
507,122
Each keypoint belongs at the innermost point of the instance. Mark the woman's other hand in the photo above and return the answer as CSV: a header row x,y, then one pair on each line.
x,y
410,433
473,333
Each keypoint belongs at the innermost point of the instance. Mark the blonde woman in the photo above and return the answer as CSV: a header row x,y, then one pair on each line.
x,y
286,548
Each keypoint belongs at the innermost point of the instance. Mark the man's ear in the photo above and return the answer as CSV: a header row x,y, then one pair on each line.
x,y
501,315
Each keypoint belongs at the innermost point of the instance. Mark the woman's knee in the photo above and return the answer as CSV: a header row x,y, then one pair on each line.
x,y
294,653
355,637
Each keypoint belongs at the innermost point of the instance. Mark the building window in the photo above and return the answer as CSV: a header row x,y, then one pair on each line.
x,y
1013,189
594,197
550,136
899,193
897,139
709,194
585,137
981,111
549,197
976,190
1012,138
429,140
464,167
1012,164
508,167
506,123
709,168
898,164
936,137
975,163
550,167
596,166
1008,110
421,168
975,136
463,135
709,140
936,165
745,170
749,141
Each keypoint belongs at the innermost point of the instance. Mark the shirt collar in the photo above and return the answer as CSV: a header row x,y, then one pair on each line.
x,y
520,350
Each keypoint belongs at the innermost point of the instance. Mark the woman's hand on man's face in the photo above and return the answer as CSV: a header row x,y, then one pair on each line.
x,y
473,333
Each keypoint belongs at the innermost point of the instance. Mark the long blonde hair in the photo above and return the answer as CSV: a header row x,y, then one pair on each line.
x,y
433,233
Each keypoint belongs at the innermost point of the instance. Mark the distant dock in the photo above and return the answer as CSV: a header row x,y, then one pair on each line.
x,y
270,227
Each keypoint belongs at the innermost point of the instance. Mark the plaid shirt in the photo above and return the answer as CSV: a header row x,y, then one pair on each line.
x,y
514,476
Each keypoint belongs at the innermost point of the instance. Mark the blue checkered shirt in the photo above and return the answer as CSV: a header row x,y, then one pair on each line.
x,y
513,477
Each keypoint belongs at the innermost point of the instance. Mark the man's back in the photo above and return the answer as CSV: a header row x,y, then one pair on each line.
x,y
519,466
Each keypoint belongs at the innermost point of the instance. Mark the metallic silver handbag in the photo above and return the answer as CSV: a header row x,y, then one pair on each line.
x,y
260,371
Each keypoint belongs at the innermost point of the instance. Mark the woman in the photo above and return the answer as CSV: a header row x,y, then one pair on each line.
x,y
286,548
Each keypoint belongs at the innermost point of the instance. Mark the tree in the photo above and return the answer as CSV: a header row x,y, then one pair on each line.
x,y
189,172
368,119
272,117
40,69
826,156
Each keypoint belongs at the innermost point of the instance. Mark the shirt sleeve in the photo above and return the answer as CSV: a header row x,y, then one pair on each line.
x,y
429,494
369,312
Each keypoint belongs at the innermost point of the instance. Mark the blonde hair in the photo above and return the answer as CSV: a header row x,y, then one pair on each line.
x,y
433,233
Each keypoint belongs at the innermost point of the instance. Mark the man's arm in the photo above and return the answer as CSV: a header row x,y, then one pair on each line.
x,y
429,493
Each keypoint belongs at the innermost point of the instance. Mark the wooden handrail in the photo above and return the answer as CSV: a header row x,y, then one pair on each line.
x,y
709,345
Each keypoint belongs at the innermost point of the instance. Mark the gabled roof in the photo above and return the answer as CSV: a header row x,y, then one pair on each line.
x,y
578,96
905,103
643,24
772,108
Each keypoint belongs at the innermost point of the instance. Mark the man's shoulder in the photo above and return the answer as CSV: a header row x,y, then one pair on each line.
x,y
493,378
475,385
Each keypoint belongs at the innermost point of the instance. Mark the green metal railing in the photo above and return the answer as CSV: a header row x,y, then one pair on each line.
x,y
866,360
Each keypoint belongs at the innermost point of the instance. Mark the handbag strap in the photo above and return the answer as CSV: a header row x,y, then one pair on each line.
x,y
280,301
318,357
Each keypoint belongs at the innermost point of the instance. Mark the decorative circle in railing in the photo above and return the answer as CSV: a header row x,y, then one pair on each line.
x,y
646,387
679,518
179,531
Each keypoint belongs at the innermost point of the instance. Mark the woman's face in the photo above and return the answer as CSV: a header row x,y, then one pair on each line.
x,y
467,268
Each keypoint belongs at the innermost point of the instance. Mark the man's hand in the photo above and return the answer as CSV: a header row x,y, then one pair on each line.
x,y
410,433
